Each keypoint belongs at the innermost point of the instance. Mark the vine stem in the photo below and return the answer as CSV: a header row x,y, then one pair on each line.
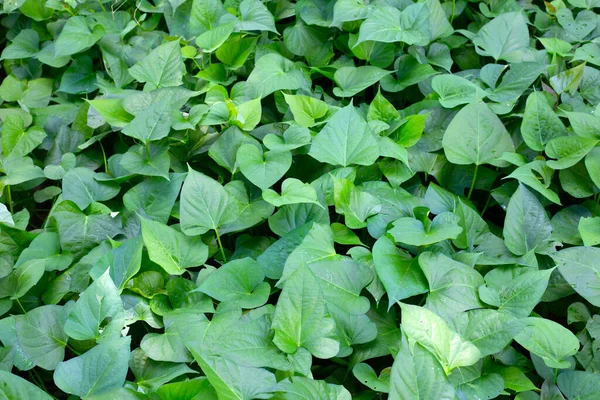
x,y
220,245
473,182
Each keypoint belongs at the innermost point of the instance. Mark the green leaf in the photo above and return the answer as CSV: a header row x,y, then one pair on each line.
x,y
301,319
589,229
211,40
489,330
24,45
163,67
100,302
263,170
97,371
293,191
151,374
311,389
41,335
172,250
476,136
579,384
505,37
431,332
77,36
80,185
274,72
239,282
455,90
540,123
346,139
548,340
416,374
205,204
568,150
367,376
13,387
579,268
526,225
515,290
413,232
399,273
452,285
150,160
153,123
352,80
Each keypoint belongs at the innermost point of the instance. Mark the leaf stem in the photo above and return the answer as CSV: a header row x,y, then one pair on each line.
x,y
487,203
9,200
101,5
21,306
473,182
103,156
73,350
452,15
220,246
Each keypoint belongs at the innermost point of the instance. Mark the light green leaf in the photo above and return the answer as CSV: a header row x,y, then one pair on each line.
x,y
306,110
431,332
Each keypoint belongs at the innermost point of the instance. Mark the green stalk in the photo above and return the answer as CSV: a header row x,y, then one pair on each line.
x,y
473,182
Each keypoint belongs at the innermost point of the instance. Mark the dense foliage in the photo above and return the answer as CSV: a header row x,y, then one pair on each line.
x,y
206,199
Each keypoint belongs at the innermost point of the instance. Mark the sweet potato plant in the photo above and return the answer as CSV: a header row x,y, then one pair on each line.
x,y
313,199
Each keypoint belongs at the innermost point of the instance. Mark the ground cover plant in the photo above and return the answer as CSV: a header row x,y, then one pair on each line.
x,y
206,199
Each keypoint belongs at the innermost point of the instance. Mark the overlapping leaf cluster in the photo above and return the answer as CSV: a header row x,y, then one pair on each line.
x,y
369,199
